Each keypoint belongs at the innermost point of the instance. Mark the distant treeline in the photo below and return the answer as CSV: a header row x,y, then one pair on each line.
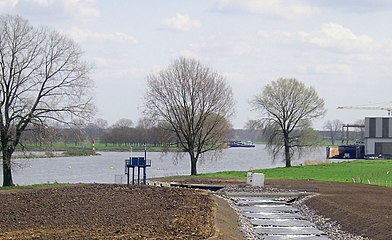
x,y
134,136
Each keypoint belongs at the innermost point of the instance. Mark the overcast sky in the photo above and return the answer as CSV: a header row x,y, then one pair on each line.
x,y
343,48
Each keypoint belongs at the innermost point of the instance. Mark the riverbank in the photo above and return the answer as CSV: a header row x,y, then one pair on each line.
x,y
103,211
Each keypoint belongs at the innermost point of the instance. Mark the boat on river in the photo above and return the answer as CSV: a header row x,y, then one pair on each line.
x,y
247,144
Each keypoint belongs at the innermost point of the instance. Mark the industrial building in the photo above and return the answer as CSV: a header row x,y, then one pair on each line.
x,y
378,137
377,142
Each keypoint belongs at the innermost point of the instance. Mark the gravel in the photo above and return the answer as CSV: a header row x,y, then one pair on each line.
x,y
331,228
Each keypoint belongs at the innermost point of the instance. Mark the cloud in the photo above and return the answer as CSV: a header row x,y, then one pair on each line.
x,y
218,49
101,62
325,69
353,6
335,36
282,9
109,70
80,9
188,53
7,5
275,36
83,9
236,77
81,35
179,23
43,3
330,37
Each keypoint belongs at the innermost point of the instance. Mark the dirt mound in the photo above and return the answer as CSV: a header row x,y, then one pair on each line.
x,y
106,211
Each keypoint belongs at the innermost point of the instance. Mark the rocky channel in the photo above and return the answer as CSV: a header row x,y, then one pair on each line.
x,y
272,214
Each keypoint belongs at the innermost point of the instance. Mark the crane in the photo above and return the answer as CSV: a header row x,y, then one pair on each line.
x,y
389,109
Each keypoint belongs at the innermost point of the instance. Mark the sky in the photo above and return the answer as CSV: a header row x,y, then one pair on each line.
x,y
343,48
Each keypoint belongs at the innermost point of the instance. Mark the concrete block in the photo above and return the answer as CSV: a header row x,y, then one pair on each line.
x,y
255,179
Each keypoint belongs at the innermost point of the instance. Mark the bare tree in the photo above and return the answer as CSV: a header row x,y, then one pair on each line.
x,y
75,133
95,129
287,107
197,104
42,79
360,131
123,123
334,127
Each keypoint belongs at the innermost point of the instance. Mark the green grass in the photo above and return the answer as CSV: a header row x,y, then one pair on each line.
x,y
36,186
79,152
376,172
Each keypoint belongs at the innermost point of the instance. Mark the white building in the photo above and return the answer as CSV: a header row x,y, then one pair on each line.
x,y
378,136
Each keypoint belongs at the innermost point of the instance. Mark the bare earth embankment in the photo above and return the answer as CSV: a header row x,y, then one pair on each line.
x,y
106,212
360,209
97,211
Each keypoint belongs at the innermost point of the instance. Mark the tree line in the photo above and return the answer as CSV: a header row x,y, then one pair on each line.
x,y
118,134
122,134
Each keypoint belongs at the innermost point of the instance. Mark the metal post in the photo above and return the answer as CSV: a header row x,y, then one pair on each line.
x,y
133,175
343,134
145,161
138,175
145,152
128,176
347,137
144,175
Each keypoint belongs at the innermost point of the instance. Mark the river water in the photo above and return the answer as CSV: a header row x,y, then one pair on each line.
x,y
108,166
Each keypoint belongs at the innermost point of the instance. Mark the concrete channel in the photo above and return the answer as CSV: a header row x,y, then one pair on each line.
x,y
273,217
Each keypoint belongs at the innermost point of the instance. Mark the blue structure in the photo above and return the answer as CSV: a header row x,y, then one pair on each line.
x,y
140,163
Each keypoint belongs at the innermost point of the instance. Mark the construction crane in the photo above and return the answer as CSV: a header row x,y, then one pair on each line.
x,y
389,109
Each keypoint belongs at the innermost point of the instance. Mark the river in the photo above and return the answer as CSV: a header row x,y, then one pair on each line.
x,y
108,166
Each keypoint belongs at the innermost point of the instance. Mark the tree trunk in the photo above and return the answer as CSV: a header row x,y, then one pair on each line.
x,y
193,164
7,174
287,151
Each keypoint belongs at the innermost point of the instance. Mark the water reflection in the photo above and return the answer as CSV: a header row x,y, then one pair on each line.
x,y
104,167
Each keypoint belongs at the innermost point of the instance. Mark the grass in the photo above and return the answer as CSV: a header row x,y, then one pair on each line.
x,y
35,186
79,152
375,172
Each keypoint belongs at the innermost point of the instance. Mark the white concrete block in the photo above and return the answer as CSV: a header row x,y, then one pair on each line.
x,y
255,179
258,179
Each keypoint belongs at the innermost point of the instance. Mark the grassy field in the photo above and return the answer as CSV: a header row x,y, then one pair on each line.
x,y
376,172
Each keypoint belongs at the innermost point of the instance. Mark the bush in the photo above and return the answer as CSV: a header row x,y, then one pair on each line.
x,y
79,152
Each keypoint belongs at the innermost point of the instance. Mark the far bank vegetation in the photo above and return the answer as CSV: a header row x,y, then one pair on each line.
x,y
120,138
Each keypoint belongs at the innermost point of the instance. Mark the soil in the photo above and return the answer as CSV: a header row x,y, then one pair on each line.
x,y
363,210
106,212
98,211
